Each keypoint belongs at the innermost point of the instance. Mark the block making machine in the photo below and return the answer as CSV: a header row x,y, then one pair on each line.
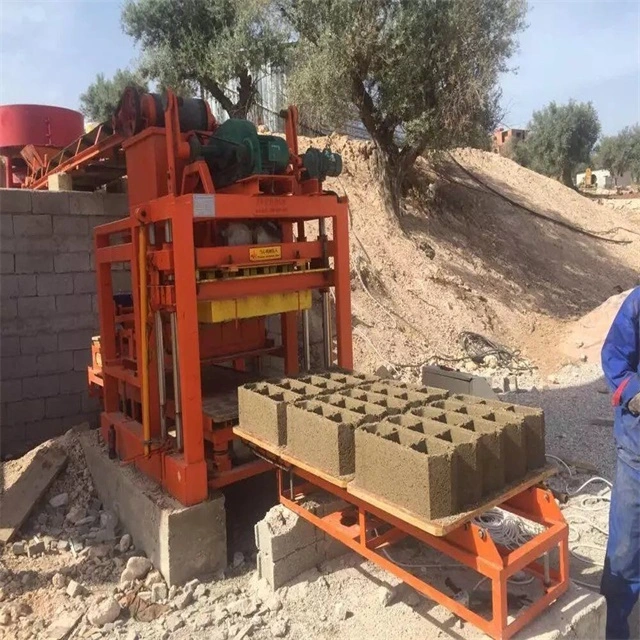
x,y
227,229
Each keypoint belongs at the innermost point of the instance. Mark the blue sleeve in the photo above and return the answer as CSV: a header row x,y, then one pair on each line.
x,y
621,350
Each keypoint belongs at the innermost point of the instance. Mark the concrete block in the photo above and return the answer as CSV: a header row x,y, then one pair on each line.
x,y
18,366
35,345
415,395
391,404
406,469
58,362
60,182
34,263
15,201
10,390
54,284
82,358
25,410
72,262
86,204
6,226
9,346
182,542
7,263
15,286
73,340
8,311
86,282
71,226
116,205
51,202
278,573
322,436
41,386
90,404
63,406
262,410
36,306
74,303
32,225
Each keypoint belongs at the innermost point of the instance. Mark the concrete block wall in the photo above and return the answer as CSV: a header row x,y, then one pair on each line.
x,y
48,310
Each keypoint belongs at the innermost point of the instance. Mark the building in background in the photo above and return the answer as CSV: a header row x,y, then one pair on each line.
x,y
602,179
502,135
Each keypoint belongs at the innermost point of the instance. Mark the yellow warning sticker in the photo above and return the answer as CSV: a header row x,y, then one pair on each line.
x,y
265,253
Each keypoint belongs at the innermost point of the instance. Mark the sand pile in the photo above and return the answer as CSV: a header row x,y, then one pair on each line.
x,y
463,258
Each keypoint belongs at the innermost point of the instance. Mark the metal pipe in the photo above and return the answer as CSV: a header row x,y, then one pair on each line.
x,y
144,346
176,380
306,340
327,337
162,382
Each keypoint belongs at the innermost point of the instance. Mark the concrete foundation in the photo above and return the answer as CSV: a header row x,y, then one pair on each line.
x,y
289,545
182,542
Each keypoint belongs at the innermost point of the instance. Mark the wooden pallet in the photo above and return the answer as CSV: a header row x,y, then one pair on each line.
x,y
439,527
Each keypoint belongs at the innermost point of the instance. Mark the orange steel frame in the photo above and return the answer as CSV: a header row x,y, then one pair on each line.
x,y
176,198
468,544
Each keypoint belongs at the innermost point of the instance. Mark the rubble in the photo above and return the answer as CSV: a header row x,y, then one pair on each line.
x,y
75,589
58,581
19,548
137,568
159,592
59,501
125,543
104,612
35,548
183,600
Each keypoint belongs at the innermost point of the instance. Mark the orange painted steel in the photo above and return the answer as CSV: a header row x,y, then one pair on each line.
x,y
172,243
469,545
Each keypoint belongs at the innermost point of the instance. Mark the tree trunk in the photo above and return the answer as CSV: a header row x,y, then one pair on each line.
x,y
246,96
567,178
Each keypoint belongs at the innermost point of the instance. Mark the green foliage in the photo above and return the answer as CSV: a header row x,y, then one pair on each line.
x,y
100,99
208,44
417,73
560,138
620,153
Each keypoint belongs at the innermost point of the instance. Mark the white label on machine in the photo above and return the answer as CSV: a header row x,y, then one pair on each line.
x,y
204,205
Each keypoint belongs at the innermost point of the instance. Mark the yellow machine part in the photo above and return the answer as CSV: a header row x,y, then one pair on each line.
x,y
253,306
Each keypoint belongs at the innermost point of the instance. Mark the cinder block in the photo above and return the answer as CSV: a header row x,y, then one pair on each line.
x,y
322,436
6,225
72,262
16,286
41,386
54,284
51,202
18,366
82,358
298,387
34,263
369,412
71,226
10,390
63,406
73,382
406,469
262,410
8,311
86,282
415,395
86,204
60,182
41,343
72,304
466,463
15,201
391,404
277,573
25,410
90,404
58,362
116,205
7,263
344,379
9,346
36,306
73,340
32,225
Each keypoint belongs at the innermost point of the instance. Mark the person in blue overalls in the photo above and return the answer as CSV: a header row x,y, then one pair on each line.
x,y
621,365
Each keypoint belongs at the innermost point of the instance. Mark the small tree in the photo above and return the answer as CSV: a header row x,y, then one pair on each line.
x,y
100,99
208,43
417,73
621,153
560,138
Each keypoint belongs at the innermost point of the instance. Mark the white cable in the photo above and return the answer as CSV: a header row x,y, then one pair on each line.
x,y
589,481
561,461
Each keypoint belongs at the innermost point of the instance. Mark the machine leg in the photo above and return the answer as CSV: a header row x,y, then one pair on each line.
x,y
176,381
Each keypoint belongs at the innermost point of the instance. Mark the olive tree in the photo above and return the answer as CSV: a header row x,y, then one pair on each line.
x,y
417,73
209,44
100,99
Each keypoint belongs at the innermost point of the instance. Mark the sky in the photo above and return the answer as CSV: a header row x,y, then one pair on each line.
x,y
588,50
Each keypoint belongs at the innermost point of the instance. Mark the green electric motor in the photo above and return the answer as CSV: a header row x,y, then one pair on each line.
x,y
235,151
320,164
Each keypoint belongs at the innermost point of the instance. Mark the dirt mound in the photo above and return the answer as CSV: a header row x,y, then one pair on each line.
x,y
483,245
